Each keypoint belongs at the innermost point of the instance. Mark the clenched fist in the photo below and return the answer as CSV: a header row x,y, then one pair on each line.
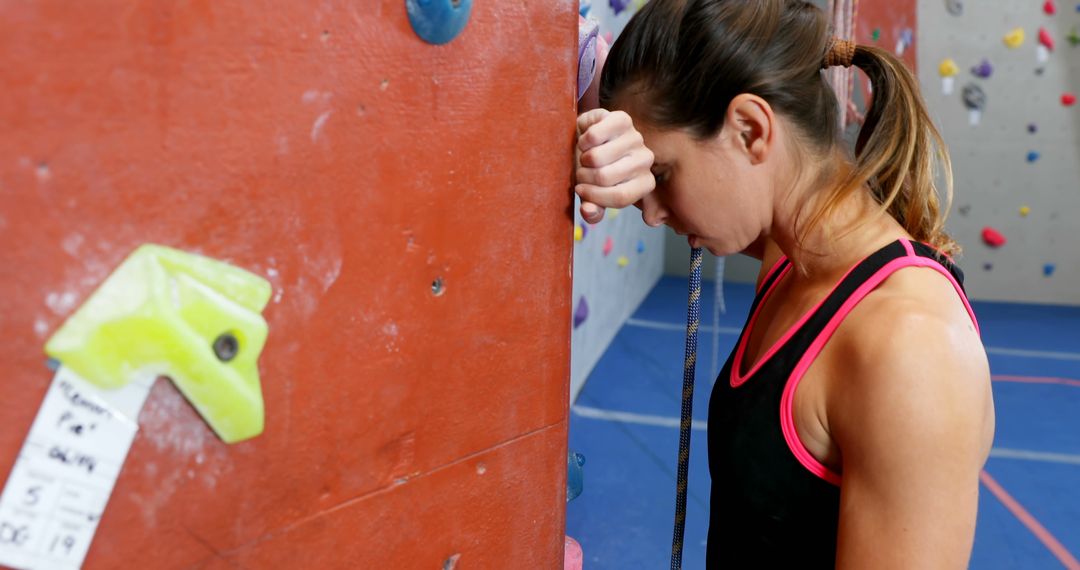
x,y
614,169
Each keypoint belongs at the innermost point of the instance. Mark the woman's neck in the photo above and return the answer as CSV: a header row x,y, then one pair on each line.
x,y
854,229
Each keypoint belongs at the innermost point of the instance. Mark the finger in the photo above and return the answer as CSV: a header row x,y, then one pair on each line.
x,y
637,163
612,151
609,127
619,196
592,213
590,118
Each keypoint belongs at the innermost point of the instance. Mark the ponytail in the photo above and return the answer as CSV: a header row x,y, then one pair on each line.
x,y
895,154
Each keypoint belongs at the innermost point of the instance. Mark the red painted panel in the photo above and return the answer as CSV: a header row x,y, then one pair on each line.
x,y
325,147
890,18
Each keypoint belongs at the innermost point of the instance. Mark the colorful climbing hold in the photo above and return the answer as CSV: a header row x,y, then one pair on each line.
x,y
1046,45
907,37
948,70
975,101
948,67
623,261
1049,8
1048,269
618,5
583,8
613,213
1024,211
581,313
1046,39
1015,38
1033,156
988,266
1033,128
876,34
609,244
993,238
579,233
1073,37
641,246
984,70
1068,99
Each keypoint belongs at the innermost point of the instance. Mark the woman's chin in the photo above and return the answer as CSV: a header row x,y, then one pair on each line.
x,y
713,248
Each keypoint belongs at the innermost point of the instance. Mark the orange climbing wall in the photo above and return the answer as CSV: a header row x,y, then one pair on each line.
x,y
890,18
325,147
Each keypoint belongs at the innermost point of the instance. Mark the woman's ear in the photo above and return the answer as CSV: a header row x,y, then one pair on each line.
x,y
752,119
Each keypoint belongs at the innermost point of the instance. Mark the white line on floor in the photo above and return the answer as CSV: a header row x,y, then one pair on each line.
x,y
1034,353
642,323
1049,355
631,418
1002,453
661,421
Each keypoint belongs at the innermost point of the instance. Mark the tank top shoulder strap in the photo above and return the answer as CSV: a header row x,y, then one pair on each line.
x,y
867,276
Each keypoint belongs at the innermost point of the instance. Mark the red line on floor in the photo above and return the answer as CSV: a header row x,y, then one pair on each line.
x,y
1036,380
1040,532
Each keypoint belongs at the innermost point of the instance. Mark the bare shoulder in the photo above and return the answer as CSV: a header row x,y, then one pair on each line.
x,y
913,361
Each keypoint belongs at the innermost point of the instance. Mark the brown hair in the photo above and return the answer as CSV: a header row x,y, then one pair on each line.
x,y
686,60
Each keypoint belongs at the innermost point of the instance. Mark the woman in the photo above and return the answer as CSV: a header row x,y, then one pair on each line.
x,y
850,423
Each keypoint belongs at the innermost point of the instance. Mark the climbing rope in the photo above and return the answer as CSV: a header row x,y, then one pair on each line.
x,y
693,320
718,307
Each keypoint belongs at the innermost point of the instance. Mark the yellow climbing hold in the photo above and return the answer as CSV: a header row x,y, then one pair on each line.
x,y
948,68
1024,211
579,233
623,261
193,319
1015,38
613,213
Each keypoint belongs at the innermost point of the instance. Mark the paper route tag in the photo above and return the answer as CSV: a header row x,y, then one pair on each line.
x,y
66,470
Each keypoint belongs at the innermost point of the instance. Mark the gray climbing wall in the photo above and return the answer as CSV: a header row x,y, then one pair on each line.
x,y
612,290
994,178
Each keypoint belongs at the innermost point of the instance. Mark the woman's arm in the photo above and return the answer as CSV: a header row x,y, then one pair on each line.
x,y
914,423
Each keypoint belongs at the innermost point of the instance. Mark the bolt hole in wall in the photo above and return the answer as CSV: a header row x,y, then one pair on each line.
x,y
1016,214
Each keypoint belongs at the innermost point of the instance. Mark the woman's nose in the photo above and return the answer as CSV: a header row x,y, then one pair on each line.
x,y
653,211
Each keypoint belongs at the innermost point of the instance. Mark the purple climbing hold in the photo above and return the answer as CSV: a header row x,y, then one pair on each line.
x,y
988,266
1048,269
581,313
984,70
1033,128
619,5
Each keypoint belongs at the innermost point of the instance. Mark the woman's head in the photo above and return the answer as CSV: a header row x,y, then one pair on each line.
x,y
730,96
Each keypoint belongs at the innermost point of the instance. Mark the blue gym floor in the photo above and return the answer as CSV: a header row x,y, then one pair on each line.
x,y
625,423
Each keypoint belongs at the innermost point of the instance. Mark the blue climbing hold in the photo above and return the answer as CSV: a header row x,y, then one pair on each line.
x,y
619,5
641,246
1033,156
1048,269
438,21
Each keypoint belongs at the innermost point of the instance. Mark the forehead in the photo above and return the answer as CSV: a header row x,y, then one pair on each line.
x,y
666,144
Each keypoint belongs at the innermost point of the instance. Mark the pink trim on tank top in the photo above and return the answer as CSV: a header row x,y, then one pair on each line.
x,y
737,378
787,419
772,270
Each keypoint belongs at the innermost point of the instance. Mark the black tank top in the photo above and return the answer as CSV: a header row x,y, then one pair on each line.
x,y
772,505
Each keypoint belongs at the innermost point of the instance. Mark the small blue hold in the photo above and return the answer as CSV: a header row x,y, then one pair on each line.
x,y
1048,269
1033,156
619,5
641,246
